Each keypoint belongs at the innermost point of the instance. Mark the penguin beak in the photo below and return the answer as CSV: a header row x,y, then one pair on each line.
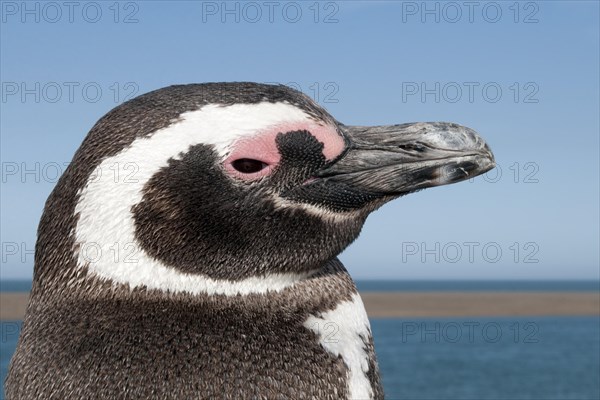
x,y
398,159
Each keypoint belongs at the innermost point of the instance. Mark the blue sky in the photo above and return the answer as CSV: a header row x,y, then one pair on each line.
x,y
526,77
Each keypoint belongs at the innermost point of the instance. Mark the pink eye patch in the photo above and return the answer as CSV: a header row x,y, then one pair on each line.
x,y
255,156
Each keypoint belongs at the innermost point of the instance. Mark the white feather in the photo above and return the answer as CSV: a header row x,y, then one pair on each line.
x,y
341,332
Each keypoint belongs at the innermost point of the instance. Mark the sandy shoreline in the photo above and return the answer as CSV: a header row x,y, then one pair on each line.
x,y
429,304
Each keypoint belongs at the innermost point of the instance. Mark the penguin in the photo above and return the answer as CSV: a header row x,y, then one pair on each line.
x,y
189,251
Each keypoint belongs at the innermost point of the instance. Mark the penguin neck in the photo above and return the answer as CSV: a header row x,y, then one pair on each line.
x,y
321,290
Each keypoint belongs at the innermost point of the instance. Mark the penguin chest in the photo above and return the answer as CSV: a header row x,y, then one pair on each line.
x,y
345,332
163,350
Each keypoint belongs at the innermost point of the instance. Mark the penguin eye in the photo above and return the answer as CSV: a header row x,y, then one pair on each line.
x,y
248,166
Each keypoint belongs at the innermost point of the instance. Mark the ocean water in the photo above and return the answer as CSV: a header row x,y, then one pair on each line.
x,y
549,358
477,285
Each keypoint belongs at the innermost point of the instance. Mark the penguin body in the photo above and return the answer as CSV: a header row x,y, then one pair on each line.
x,y
189,251
200,346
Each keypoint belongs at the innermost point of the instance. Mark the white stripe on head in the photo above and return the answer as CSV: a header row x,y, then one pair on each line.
x,y
105,231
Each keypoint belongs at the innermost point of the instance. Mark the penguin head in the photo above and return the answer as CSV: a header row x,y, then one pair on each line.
x,y
239,187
